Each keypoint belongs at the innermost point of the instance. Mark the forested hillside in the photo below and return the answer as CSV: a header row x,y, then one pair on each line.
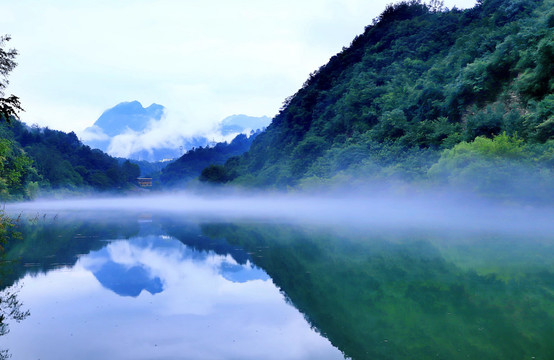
x,y
424,94
39,159
190,165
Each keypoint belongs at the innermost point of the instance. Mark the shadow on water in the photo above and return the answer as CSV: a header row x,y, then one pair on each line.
x,y
408,295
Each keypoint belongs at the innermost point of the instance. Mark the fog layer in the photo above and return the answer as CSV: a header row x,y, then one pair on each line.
x,y
405,209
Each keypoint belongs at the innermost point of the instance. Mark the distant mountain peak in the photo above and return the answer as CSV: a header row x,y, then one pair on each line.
x,y
131,130
128,115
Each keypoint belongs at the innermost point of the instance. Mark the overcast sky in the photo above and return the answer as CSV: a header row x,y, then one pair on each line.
x,y
202,59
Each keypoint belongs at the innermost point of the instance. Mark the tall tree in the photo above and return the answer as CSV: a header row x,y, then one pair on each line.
x,y
10,105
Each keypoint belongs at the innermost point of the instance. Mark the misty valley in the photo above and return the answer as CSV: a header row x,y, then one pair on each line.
x,y
398,202
152,284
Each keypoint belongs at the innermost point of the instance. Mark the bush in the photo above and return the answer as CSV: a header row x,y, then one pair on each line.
x,y
502,167
214,174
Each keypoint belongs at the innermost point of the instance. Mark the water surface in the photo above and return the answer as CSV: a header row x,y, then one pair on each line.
x,y
135,285
126,289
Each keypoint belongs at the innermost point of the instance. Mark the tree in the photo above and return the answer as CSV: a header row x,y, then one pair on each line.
x,y
214,174
9,106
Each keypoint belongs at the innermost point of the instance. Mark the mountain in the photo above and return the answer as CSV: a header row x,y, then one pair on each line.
x,y
147,168
455,96
129,130
118,131
128,115
121,118
190,165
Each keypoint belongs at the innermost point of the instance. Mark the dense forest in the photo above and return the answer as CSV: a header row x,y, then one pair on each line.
x,y
44,160
190,165
425,94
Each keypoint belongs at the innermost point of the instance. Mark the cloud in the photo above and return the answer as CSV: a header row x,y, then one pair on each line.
x,y
172,131
93,133
163,137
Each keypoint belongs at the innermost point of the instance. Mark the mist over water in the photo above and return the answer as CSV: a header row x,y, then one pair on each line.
x,y
217,273
402,209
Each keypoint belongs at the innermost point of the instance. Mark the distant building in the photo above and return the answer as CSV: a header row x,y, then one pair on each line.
x,y
144,182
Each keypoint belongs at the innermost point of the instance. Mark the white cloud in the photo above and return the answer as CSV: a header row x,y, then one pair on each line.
x,y
171,132
93,133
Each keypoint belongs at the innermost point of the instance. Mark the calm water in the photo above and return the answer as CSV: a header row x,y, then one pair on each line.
x,y
143,286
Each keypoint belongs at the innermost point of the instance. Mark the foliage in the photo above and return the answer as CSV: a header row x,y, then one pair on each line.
x,y
34,158
214,174
419,80
40,159
502,166
146,168
17,176
190,165
9,106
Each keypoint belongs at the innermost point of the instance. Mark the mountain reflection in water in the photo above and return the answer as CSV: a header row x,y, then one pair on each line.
x,y
125,266
213,288
153,296
382,293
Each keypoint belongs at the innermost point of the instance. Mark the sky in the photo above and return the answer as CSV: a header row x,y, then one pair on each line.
x,y
203,60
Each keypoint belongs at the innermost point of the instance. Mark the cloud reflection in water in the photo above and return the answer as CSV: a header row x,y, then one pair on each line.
x,y
190,304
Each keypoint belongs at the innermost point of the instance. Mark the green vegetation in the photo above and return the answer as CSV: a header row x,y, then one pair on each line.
x,y
147,168
190,165
17,176
9,106
418,82
484,165
15,168
53,161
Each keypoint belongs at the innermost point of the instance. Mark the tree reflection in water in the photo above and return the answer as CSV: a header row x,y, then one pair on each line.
x,y
380,293
10,309
10,306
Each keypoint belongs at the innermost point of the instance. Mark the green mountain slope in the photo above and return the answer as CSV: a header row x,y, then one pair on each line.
x,y
49,160
190,165
417,82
